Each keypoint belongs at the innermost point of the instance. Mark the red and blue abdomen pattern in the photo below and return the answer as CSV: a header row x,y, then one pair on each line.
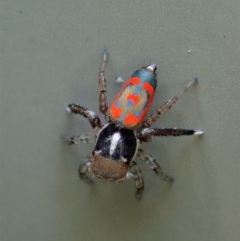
x,y
133,101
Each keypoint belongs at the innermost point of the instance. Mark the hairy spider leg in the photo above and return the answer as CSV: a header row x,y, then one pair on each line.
x,y
168,104
153,165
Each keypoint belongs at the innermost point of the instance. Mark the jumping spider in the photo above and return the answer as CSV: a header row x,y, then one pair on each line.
x,y
116,143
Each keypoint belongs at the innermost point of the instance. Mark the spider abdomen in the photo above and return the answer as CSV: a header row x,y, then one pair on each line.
x,y
134,99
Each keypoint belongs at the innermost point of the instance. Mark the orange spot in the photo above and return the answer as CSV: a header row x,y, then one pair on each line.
x,y
149,89
131,120
115,112
133,80
134,98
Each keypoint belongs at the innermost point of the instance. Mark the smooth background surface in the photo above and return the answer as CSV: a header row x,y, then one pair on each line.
x,y
49,56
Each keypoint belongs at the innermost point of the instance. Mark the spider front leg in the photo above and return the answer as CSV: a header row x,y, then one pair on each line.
x,y
103,107
145,134
136,174
90,115
154,165
168,104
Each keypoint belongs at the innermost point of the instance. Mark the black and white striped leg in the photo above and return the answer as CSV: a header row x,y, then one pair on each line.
x,y
136,174
168,104
90,115
154,165
145,134
84,138
84,169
